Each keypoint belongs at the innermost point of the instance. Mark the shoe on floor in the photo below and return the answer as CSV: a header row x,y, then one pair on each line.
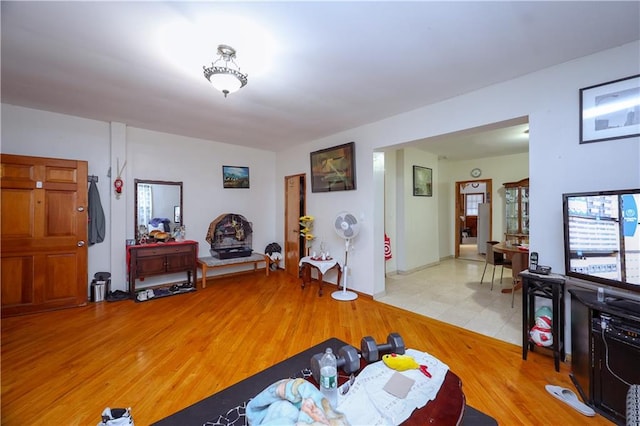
x,y
569,397
117,295
116,417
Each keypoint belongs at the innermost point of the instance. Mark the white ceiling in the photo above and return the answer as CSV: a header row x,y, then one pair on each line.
x,y
326,66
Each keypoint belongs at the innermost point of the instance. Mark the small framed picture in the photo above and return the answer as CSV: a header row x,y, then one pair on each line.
x,y
610,110
235,177
422,181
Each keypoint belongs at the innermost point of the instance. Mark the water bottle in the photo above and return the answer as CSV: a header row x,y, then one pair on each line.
x,y
329,377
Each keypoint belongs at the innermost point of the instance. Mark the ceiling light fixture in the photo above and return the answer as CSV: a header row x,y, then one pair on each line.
x,y
222,77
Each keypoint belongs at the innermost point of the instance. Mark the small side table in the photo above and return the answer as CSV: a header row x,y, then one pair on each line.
x,y
322,266
550,287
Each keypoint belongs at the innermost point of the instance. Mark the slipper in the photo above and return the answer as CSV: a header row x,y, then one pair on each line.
x,y
568,396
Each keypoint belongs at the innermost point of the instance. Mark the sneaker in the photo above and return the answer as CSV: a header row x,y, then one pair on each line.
x,y
185,286
162,291
150,294
116,417
142,296
174,288
117,295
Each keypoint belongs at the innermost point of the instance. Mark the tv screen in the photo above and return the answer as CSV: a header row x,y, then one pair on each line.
x,y
602,237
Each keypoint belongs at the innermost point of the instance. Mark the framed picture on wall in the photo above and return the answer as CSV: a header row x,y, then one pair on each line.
x,y
333,169
610,110
422,181
235,177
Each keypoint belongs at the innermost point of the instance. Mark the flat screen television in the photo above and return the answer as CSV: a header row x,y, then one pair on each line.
x,y
602,237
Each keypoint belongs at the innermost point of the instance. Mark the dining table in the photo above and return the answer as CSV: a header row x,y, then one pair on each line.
x,y
519,256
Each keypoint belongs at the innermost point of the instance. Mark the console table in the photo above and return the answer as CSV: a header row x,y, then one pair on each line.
x,y
549,287
145,260
322,266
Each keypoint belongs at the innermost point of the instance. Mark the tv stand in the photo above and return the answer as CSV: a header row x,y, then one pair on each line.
x,y
624,304
605,348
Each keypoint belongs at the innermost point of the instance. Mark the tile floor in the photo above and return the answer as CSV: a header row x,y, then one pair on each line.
x,y
451,292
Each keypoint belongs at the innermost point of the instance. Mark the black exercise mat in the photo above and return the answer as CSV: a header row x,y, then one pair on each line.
x,y
227,406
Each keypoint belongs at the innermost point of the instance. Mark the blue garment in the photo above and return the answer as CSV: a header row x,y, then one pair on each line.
x,y
292,402
97,222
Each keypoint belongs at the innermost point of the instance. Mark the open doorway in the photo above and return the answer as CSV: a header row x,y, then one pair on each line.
x,y
473,212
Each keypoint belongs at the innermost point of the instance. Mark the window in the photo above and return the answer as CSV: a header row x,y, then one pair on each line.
x,y
471,202
145,204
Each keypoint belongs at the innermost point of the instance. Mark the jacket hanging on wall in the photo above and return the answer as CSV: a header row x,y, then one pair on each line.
x,y
96,216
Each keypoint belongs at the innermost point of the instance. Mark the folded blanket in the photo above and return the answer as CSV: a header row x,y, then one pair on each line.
x,y
292,402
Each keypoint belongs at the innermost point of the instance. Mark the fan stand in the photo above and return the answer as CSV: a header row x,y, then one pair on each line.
x,y
345,295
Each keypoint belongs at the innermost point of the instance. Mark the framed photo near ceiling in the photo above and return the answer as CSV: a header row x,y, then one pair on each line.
x,y
235,177
334,169
422,181
610,110
176,214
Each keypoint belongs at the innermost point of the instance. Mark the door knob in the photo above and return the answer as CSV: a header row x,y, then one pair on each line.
x,y
80,208
81,243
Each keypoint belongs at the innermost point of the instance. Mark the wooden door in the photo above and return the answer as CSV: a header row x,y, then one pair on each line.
x,y
295,189
44,231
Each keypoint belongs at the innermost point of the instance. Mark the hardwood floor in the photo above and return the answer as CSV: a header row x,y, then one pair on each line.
x,y
157,357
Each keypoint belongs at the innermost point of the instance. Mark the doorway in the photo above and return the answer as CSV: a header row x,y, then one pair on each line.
x,y
473,218
295,188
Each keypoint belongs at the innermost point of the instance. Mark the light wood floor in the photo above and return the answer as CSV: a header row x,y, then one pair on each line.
x,y
160,356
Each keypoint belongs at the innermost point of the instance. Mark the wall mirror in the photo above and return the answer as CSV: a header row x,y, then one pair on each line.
x,y
157,205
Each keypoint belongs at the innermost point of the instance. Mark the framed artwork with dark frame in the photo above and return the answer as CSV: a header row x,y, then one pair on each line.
x,y
610,110
235,177
422,181
334,169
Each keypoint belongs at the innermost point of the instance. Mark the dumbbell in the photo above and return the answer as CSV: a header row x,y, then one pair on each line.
x,y
371,350
347,359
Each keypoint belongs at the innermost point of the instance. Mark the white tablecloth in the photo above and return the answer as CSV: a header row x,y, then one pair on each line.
x,y
322,265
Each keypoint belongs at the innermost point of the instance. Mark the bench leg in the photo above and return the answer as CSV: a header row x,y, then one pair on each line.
x,y
204,274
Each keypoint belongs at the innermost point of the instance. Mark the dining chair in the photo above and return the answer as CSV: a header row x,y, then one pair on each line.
x,y
496,259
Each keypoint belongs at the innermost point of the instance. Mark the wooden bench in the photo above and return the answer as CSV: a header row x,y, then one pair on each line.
x,y
213,262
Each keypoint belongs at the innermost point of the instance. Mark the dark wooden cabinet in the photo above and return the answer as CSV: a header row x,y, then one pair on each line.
x,y
605,349
147,260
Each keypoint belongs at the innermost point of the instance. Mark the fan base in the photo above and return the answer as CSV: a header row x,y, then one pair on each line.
x,y
344,295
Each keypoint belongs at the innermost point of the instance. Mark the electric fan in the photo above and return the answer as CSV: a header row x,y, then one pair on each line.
x,y
347,227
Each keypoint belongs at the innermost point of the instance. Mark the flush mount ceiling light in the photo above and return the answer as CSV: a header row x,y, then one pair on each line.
x,y
224,74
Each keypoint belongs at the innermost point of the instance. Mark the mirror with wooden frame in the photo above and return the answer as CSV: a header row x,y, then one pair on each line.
x,y
158,210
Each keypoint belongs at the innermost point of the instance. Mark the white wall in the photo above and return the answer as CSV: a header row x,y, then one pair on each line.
x,y
557,162
150,155
506,168
44,134
417,216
